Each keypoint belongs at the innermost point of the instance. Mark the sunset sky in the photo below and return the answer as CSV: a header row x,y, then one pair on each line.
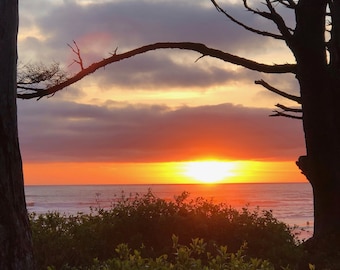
x,y
146,119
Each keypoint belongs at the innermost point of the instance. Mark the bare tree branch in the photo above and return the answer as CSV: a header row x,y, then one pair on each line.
x,y
38,77
76,50
279,92
39,72
277,113
27,88
198,47
288,109
256,31
287,3
280,23
272,15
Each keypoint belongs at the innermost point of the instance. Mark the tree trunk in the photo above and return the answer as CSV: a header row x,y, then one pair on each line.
x,y
322,163
15,237
319,85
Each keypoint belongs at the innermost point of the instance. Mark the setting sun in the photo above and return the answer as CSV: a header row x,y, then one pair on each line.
x,y
209,171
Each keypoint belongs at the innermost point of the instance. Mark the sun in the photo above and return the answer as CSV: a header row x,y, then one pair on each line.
x,y
209,171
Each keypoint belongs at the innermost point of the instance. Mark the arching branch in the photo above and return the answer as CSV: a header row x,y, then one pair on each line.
x,y
279,92
197,47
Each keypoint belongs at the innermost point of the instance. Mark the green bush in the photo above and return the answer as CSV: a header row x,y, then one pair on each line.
x,y
147,223
186,257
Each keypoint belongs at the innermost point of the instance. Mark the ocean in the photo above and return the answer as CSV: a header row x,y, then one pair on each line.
x,y
291,203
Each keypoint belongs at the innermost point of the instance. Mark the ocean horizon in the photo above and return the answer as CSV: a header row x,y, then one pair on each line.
x,y
291,203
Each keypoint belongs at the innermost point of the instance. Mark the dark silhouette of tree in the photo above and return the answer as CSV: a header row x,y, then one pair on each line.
x,y
15,237
315,44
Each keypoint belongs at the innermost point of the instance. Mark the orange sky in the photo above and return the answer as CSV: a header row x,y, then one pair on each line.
x,y
140,120
153,173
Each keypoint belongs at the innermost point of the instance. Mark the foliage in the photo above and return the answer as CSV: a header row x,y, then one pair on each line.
x,y
147,223
186,257
36,77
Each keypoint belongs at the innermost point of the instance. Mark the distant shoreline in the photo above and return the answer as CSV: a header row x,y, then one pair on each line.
x,y
167,184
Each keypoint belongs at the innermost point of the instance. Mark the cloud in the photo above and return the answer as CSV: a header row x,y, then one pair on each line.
x,y
118,132
132,23
101,27
163,74
57,130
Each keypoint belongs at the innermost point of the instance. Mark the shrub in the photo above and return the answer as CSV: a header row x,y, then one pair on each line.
x,y
146,223
186,257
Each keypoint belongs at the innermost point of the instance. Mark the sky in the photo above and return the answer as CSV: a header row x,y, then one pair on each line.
x,y
147,119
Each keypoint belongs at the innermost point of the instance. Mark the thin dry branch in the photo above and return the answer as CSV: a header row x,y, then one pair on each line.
x,y
277,113
197,47
285,110
287,3
279,92
279,21
273,16
76,51
38,77
256,31
288,109
27,88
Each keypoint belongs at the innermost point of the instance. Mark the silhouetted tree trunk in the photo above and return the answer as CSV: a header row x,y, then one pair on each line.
x,y
15,237
319,81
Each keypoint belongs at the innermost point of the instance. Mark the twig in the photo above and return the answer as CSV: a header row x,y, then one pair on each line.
x,y
279,92
76,50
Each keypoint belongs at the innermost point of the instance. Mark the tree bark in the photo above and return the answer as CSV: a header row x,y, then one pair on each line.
x,y
319,86
15,237
321,166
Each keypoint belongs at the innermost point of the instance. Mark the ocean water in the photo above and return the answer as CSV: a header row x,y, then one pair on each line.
x,y
291,203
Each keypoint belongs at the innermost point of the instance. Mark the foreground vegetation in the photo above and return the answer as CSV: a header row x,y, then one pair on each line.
x,y
147,232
